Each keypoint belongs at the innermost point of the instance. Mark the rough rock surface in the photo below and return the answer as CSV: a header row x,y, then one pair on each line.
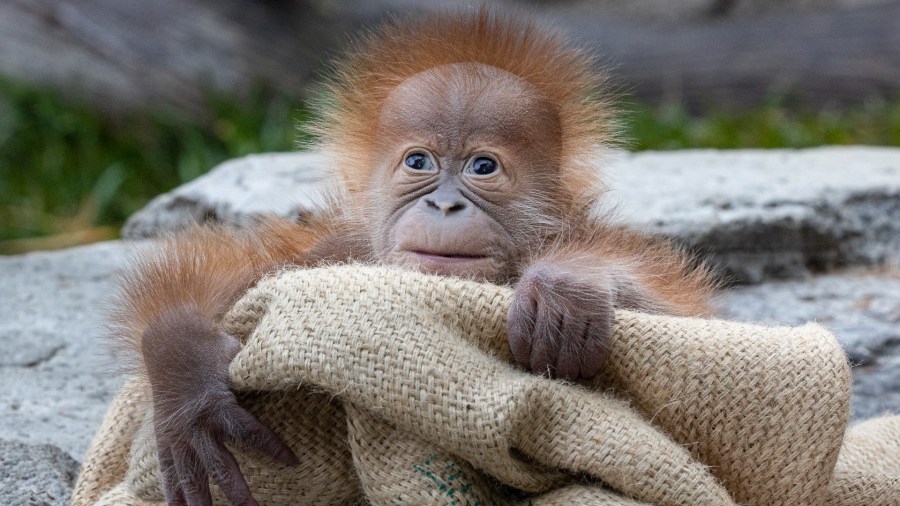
x,y
767,214
56,374
234,192
761,214
35,474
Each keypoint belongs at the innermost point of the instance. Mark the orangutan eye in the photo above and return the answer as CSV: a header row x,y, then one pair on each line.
x,y
419,161
483,166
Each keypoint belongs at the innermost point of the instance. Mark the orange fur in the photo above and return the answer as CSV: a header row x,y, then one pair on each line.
x,y
205,268
377,63
652,274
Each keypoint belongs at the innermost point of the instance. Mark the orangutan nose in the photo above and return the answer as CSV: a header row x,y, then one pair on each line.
x,y
447,202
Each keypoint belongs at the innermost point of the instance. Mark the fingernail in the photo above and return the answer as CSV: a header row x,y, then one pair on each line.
x,y
288,458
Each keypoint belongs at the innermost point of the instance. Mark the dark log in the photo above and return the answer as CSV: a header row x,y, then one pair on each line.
x,y
840,56
127,54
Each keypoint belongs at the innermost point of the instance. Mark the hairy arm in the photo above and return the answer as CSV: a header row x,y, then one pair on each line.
x,y
167,318
561,317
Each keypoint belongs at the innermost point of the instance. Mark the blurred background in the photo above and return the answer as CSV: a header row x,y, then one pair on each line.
x,y
107,103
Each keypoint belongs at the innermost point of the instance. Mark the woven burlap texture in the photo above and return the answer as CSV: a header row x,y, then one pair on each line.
x,y
396,387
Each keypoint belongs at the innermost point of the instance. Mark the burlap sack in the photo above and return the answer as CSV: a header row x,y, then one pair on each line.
x,y
868,467
395,387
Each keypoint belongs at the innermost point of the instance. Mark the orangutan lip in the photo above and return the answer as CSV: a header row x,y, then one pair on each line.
x,y
447,257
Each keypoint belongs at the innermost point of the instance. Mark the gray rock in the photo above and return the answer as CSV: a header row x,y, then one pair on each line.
x,y
57,376
769,214
861,308
35,474
759,214
234,192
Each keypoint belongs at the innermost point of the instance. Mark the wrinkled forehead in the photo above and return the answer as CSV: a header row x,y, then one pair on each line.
x,y
468,101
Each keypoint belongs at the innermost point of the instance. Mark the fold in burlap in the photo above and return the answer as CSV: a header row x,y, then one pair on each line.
x,y
395,387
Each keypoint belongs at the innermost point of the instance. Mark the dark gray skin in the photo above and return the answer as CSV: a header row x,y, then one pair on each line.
x,y
467,156
195,411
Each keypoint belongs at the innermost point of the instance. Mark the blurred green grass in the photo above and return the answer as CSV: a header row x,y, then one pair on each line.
x,y
876,122
68,175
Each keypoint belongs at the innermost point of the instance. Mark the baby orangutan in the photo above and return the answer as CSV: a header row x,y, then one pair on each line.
x,y
466,145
